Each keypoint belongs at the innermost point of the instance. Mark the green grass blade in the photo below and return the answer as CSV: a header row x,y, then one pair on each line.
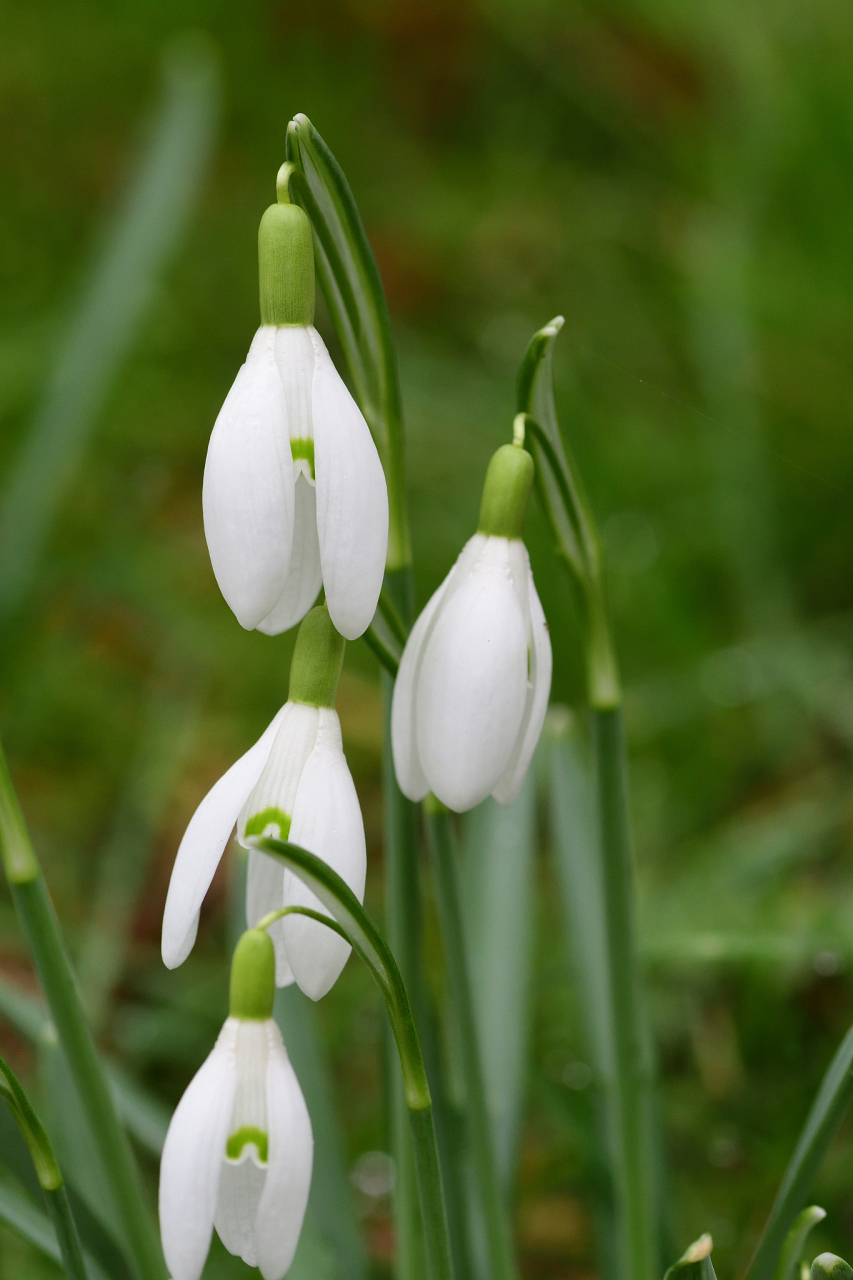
x,y
352,287
145,1116
820,1128
115,298
499,847
167,735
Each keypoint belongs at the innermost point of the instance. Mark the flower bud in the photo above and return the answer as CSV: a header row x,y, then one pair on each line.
x,y
506,493
253,976
474,679
286,262
318,657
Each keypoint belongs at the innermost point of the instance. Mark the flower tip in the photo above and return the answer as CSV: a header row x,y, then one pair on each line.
x,y
553,327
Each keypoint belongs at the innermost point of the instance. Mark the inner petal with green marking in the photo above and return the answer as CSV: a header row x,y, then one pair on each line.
x,y
247,1136
302,450
269,822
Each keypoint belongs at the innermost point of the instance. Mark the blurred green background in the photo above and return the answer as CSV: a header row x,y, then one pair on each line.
x,y
674,179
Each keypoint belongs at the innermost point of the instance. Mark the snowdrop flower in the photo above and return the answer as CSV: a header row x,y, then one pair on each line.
x,y
294,493
472,689
239,1149
293,784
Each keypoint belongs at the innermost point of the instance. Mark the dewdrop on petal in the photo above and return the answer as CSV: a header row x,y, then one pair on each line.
x,y
239,1150
294,494
473,685
293,784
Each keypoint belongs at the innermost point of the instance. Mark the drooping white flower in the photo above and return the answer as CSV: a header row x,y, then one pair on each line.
x,y
472,690
294,494
239,1149
294,784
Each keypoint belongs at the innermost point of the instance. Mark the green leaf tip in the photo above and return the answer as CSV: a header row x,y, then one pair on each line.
x,y
695,1263
792,1248
828,1266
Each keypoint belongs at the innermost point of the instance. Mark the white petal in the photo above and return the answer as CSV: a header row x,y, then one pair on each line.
x,y
471,692
241,1181
352,501
294,358
326,821
305,577
278,782
407,765
192,1159
265,893
240,1189
202,846
538,691
291,1153
247,495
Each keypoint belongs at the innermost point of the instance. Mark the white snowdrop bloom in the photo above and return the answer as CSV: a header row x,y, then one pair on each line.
x,y
239,1149
293,784
294,494
472,690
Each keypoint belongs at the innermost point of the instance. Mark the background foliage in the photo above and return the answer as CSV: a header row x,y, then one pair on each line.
x,y
670,177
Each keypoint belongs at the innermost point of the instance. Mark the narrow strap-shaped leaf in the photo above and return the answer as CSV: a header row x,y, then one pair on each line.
x,y
821,1125
352,287
115,296
370,946
792,1249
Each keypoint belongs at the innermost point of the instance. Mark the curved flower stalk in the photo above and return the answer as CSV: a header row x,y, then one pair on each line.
x,y
294,494
475,675
294,783
239,1149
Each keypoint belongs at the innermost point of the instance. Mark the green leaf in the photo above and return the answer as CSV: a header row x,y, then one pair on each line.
x,y
795,1241
819,1129
144,1115
499,847
695,1263
568,512
115,297
352,287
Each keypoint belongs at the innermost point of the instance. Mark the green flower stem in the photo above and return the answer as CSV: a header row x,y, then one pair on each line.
x,y
629,1119
501,1262
403,925
35,911
66,1232
388,662
367,942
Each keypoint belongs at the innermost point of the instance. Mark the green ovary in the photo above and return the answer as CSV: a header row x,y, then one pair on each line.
x,y
302,450
246,1137
272,817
